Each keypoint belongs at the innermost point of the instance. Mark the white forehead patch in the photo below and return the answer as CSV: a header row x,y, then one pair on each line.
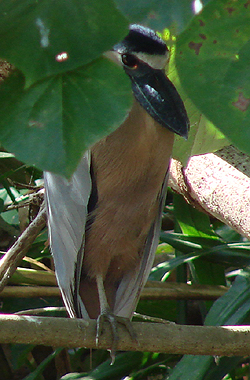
x,y
156,61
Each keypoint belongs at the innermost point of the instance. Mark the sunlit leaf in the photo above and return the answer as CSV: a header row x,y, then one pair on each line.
x,y
6,155
213,63
159,14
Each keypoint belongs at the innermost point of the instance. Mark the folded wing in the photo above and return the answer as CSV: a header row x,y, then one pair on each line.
x,y
67,203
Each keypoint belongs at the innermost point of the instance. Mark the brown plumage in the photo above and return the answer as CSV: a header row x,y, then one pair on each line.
x,y
129,167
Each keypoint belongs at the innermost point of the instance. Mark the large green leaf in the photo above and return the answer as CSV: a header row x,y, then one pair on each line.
x,y
46,37
52,122
159,14
213,63
203,136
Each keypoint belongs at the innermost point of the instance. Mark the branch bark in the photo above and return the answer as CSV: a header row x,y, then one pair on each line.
x,y
151,337
218,184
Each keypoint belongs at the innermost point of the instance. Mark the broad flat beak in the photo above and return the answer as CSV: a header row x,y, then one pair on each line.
x,y
158,96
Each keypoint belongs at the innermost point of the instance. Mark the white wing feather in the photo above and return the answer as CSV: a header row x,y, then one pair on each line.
x,y
67,202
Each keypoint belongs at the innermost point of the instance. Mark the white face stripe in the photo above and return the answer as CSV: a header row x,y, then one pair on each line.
x,y
157,61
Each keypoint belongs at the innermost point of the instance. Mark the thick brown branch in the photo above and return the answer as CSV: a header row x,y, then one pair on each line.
x,y
152,337
218,184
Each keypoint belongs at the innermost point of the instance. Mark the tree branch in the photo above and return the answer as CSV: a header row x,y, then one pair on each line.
x,y
19,249
151,337
154,290
218,184
29,291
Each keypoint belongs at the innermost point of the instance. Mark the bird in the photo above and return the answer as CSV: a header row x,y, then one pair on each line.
x,y
104,222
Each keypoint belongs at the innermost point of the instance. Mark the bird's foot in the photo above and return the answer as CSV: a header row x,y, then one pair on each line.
x,y
113,321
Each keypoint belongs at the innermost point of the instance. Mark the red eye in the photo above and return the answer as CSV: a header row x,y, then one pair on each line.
x,y
130,61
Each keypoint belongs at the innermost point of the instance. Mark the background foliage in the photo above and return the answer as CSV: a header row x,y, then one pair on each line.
x,y
53,106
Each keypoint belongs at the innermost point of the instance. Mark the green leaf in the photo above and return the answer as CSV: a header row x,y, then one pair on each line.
x,y
213,64
208,273
222,367
192,221
35,34
194,247
191,368
229,309
19,354
51,123
203,136
232,308
158,273
157,14
124,364
39,370
196,223
6,155
186,243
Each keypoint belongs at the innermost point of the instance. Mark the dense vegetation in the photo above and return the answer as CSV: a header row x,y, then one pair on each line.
x,y
57,97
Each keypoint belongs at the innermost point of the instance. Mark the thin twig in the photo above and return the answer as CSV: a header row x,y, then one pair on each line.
x,y
13,256
41,310
37,264
27,199
148,318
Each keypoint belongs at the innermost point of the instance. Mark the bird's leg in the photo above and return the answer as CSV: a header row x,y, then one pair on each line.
x,y
106,313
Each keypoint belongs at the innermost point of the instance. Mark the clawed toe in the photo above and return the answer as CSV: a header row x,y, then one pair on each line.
x,y
113,321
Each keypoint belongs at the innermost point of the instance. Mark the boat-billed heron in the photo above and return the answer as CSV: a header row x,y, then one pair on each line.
x,y
104,222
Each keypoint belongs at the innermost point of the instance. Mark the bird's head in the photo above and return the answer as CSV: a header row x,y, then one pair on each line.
x,y
144,55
